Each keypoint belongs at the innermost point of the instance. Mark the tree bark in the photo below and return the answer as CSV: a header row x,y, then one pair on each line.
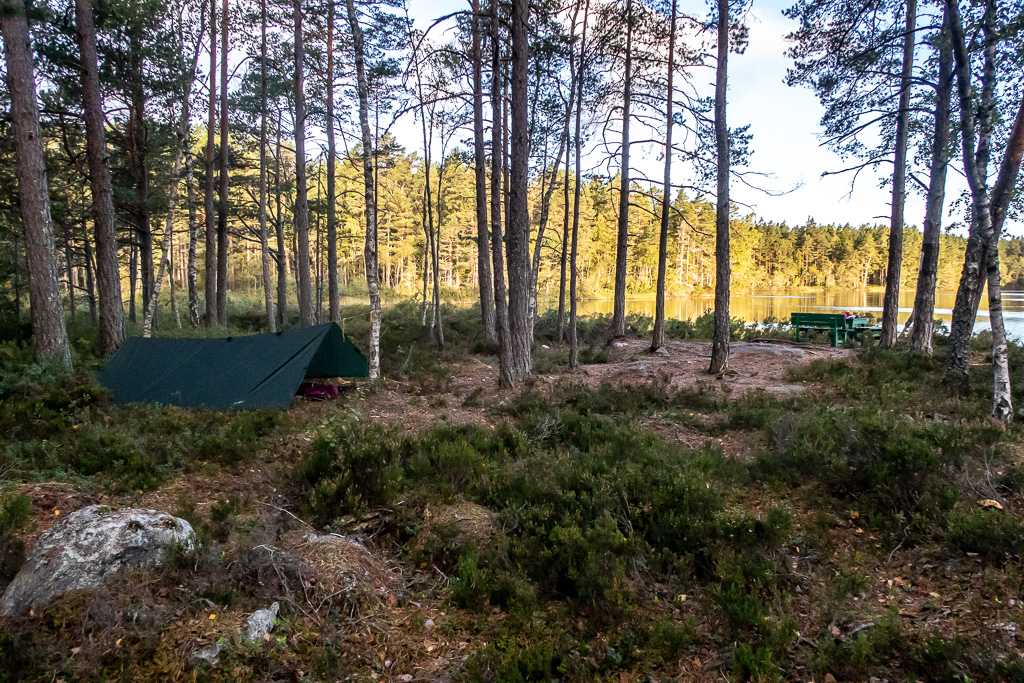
x,y
505,376
302,275
282,247
69,273
268,286
923,317
972,278
976,153
33,191
209,205
574,343
138,142
90,281
891,301
222,207
332,196
193,242
563,258
483,248
518,246
369,191
622,245
723,265
560,331
658,336
108,274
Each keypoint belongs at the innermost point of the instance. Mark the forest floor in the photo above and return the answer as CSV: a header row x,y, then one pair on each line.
x,y
812,514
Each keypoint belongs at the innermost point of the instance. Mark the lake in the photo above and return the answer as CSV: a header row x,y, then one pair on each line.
x,y
757,306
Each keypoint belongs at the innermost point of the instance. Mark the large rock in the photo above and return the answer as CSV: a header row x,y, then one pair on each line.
x,y
92,544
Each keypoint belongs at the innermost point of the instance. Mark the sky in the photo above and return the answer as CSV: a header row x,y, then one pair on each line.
x,y
785,123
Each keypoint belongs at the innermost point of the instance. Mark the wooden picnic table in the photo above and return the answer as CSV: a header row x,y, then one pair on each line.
x,y
838,327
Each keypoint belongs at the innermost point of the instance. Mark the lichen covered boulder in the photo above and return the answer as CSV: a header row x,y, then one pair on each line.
x,y
92,544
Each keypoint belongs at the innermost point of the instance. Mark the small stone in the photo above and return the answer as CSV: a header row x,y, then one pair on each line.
x,y
207,656
261,622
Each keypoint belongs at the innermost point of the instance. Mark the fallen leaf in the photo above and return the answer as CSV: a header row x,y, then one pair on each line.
x,y
989,503
213,616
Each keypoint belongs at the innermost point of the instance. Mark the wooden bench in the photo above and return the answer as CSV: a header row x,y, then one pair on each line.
x,y
838,326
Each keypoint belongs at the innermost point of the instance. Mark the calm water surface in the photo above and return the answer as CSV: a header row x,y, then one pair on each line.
x,y
757,306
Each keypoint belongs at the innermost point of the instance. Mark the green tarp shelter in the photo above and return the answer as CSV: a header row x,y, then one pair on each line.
x,y
257,371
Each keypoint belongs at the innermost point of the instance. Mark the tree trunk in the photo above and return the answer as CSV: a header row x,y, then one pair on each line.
x,y
172,198
90,282
133,277
972,278
268,286
431,247
563,259
222,207
480,175
69,273
518,247
370,250
891,302
560,333
545,204
301,199
332,197
505,377
723,265
33,192
975,166
210,258
658,337
108,275
622,245
436,323
923,317
138,140
170,279
574,344
282,249
193,242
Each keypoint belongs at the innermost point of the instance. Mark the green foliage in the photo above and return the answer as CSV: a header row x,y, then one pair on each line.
x,y
987,532
15,510
668,639
888,464
352,466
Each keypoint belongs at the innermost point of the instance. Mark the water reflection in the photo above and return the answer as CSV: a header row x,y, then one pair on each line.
x,y
780,304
